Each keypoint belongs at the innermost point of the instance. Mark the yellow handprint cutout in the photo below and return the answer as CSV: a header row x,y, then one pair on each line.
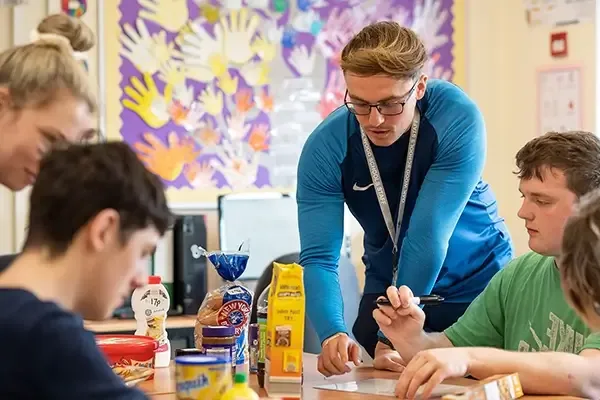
x,y
186,29
265,49
211,100
146,102
256,73
218,63
166,161
227,83
210,12
147,52
163,49
169,14
237,33
172,72
201,53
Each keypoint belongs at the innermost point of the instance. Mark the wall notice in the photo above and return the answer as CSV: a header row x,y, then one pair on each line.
x,y
559,99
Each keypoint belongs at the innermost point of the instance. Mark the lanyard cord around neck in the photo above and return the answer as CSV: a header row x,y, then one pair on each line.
x,y
394,231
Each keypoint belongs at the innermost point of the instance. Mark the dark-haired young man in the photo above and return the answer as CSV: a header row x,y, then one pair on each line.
x,y
521,322
96,215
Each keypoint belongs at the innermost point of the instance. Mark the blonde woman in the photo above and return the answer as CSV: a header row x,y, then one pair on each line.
x,y
45,99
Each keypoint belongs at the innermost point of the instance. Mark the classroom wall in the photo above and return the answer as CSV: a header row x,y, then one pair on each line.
x,y
503,55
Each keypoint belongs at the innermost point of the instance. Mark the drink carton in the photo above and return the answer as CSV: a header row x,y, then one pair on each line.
x,y
285,331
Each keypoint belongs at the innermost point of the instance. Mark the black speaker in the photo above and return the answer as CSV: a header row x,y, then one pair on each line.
x,y
189,273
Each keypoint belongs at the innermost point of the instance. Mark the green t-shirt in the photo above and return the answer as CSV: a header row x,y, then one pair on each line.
x,y
523,308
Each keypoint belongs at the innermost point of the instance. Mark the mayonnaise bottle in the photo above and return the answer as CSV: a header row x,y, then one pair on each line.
x,y
150,305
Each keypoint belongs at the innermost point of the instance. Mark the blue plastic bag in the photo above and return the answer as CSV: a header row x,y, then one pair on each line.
x,y
230,304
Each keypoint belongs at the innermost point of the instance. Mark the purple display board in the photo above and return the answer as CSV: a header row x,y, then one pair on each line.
x,y
199,79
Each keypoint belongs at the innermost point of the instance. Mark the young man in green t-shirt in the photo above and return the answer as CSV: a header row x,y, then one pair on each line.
x,y
580,260
522,321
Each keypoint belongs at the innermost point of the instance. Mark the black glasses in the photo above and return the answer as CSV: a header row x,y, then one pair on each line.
x,y
388,108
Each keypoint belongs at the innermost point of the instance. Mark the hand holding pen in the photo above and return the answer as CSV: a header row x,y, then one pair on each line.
x,y
400,318
430,299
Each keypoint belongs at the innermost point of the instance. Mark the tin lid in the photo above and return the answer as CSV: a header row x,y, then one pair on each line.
x,y
218,331
187,352
200,360
119,344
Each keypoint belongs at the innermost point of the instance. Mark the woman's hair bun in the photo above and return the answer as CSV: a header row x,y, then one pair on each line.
x,y
79,35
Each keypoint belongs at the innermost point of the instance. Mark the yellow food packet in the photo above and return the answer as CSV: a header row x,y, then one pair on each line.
x,y
285,330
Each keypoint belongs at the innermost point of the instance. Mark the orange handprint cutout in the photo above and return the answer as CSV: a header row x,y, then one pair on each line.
x,y
243,100
166,161
178,112
200,175
208,135
258,137
264,101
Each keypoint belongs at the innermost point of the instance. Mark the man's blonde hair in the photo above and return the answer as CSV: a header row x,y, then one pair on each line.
x,y
384,48
580,256
37,72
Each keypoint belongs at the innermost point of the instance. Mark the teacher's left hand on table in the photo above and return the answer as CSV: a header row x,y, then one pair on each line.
x,y
430,368
337,351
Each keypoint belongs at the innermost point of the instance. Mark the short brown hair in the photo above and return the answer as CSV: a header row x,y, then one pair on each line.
x,y
575,153
78,182
37,72
385,48
580,257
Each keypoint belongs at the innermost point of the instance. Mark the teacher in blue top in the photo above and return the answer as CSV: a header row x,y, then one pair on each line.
x,y
406,155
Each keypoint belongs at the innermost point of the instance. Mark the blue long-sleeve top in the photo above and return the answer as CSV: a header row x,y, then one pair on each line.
x,y
452,239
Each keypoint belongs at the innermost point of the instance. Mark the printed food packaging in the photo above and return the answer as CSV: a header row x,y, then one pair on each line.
x,y
131,357
230,304
285,331
497,387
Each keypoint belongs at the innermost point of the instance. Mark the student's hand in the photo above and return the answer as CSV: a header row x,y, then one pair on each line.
x,y
402,322
336,353
387,358
430,368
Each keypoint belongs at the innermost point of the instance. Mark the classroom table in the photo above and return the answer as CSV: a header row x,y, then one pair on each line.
x,y
115,325
162,387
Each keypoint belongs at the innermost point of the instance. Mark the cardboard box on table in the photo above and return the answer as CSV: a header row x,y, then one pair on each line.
x,y
285,331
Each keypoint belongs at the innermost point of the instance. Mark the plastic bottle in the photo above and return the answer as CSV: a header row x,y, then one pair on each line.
x,y
240,389
261,318
150,305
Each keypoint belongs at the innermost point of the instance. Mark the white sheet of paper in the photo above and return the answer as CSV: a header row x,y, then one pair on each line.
x,y
385,387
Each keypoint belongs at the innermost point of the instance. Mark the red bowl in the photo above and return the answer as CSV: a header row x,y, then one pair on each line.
x,y
128,350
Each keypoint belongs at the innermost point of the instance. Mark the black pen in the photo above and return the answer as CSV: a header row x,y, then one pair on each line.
x,y
430,299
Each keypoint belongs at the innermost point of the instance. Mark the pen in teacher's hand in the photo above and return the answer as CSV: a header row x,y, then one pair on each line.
x,y
430,299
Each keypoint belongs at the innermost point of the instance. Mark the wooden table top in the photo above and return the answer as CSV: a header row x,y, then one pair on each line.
x,y
126,325
162,387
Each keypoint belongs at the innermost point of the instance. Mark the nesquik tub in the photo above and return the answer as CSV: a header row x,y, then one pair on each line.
x,y
130,356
